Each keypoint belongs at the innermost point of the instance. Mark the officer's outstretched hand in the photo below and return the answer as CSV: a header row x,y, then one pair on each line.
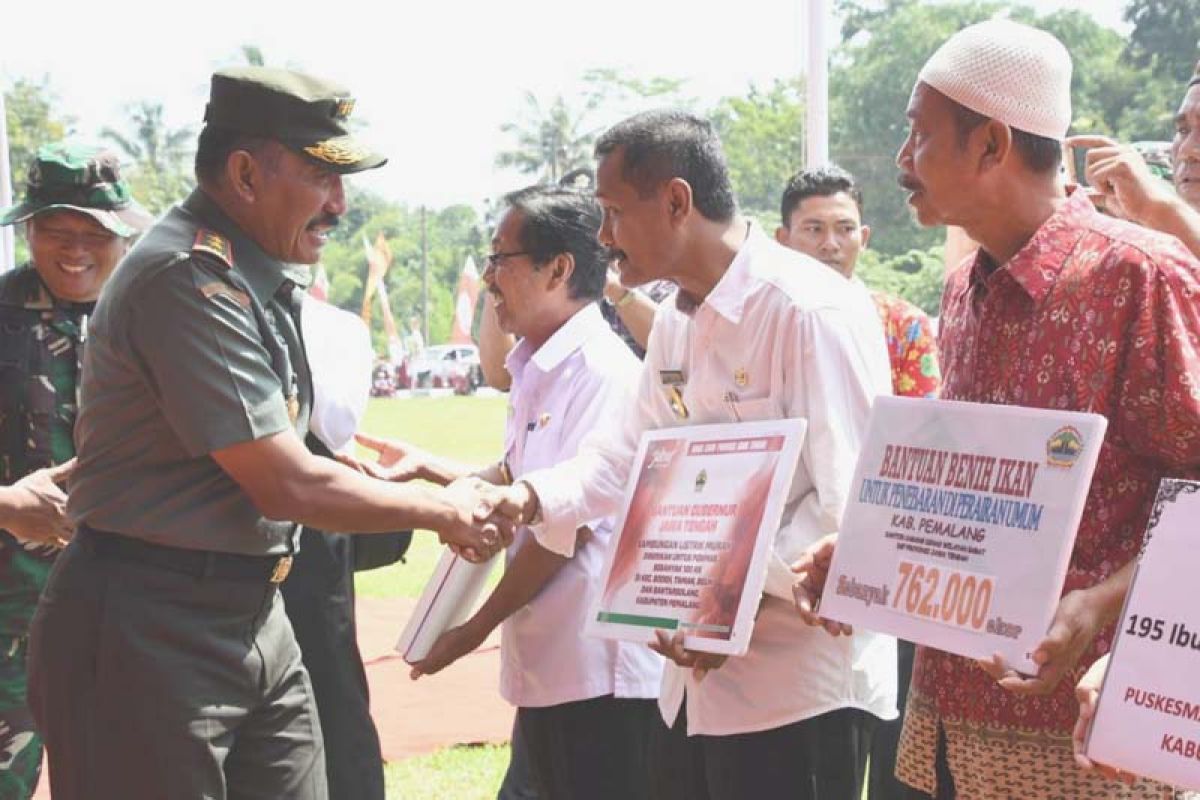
x,y
34,509
476,532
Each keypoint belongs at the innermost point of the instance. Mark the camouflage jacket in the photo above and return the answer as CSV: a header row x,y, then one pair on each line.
x,y
40,349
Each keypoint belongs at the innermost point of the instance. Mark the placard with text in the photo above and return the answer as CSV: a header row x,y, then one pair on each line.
x,y
960,524
702,507
1148,718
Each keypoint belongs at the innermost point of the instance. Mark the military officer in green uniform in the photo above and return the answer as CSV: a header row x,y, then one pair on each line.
x,y
162,664
79,218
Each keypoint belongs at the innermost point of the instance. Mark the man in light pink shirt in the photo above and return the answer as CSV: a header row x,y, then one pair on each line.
x,y
585,706
753,335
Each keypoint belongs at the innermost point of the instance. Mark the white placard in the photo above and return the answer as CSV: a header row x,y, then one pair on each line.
x,y
702,507
960,524
447,600
1148,718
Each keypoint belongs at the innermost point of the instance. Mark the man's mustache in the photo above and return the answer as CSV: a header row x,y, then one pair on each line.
x,y
325,221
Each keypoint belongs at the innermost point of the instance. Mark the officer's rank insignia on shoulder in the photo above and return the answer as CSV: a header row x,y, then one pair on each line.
x,y
214,244
221,289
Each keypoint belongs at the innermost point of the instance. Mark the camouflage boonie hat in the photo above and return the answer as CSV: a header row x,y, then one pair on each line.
x,y
306,114
67,176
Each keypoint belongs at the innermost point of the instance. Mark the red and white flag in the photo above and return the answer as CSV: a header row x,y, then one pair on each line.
x,y
465,298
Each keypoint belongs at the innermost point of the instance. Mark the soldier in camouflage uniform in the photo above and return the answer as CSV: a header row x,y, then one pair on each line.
x,y
78,217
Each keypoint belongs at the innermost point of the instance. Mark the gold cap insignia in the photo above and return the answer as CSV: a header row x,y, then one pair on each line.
x,y
342,150
344,108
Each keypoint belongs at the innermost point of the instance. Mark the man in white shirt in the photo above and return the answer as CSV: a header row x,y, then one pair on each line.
x,y
821,214
585,705
754,334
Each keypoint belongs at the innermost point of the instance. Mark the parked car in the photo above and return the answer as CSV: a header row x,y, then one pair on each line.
x,y
454,366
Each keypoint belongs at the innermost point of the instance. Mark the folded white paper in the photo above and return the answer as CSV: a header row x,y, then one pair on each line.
x,y
447,601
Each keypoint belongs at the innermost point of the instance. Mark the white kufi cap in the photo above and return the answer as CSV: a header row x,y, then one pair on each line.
x,y
1009,72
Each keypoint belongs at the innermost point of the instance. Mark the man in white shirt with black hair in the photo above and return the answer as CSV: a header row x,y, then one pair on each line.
x,y
585,706
752,335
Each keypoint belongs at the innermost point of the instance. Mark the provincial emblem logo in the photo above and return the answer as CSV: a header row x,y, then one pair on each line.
x,y
1063,447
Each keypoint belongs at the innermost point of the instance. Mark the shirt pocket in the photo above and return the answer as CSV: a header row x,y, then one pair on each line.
x,y
14,347
750,410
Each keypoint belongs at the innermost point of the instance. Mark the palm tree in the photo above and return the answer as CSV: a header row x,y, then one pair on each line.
x,y
152,144
160,155
549,142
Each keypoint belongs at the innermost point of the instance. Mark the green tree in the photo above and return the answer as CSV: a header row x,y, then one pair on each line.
x,y
871,77
917,276
1165,37
763,138
160,175
32,122
253,55
549,141
885,45
452,233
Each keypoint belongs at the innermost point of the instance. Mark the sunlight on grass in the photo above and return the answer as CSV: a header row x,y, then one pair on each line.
x,y
466,772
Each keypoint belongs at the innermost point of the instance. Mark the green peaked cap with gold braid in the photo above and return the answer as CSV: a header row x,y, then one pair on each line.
x,y
305,113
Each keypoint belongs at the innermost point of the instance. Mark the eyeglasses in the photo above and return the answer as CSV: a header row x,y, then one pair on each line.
x,y
67,239
492,260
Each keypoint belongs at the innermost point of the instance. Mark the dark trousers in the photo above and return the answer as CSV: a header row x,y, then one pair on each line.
x,y
319,598
149,684
518,778
883,783
822,758
589,750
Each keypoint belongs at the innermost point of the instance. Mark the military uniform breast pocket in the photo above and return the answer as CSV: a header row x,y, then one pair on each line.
x,y
14,349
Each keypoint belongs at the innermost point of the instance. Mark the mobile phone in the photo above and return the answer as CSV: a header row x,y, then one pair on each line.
x,y
1075,163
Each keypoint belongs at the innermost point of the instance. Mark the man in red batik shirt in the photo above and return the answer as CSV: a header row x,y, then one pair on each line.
x,y
1060,308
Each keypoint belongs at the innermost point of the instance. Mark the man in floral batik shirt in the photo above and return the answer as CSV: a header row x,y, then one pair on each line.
x,y
1063,308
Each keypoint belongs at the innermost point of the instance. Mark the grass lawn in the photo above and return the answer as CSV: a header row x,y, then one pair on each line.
x,y
468,772
468,429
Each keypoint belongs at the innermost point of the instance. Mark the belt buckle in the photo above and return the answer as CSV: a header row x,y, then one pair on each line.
x,y
282,567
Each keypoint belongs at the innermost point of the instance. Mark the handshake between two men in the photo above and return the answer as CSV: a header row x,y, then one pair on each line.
x,y
490,505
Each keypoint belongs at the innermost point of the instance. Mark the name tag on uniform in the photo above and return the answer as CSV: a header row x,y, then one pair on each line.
x,y
671,377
